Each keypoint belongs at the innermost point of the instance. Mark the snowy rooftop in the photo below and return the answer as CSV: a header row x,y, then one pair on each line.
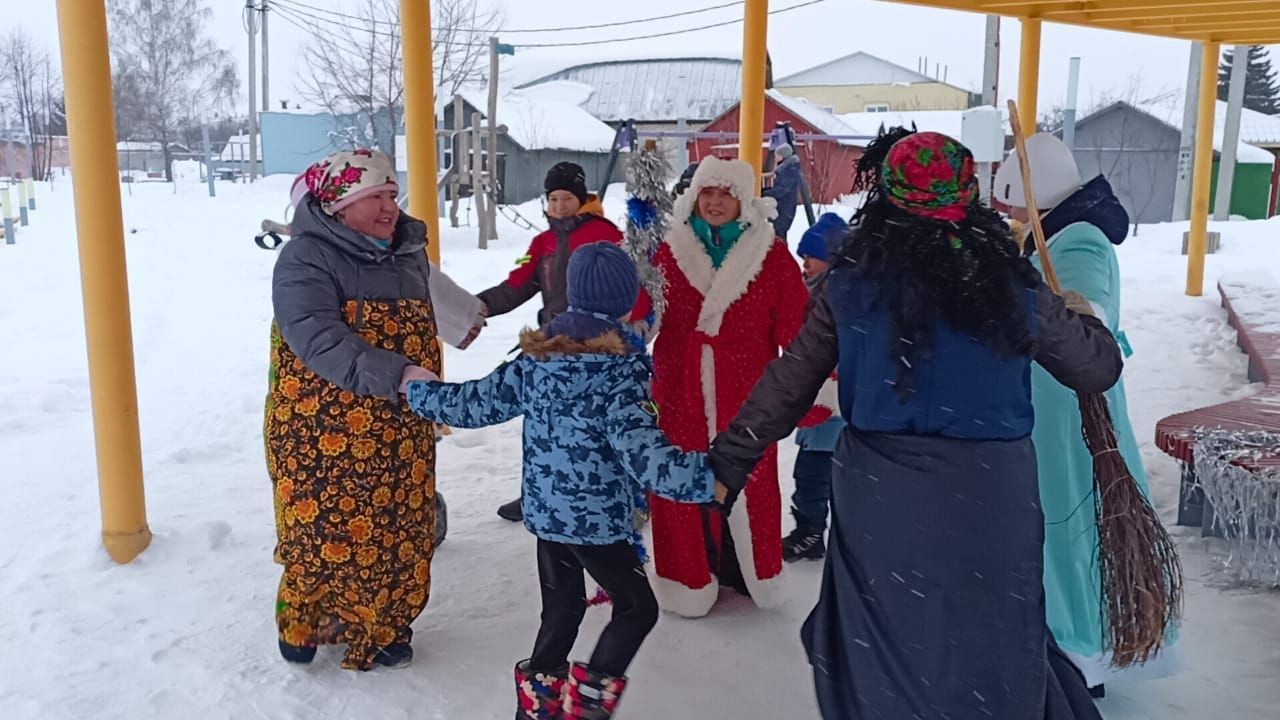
x,y
547,117
947,122
819,117
237,148
1168,110
1255,128
531,66
652,89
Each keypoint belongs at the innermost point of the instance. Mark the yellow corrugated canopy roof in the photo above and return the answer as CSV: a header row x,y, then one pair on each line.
x,y
1230,22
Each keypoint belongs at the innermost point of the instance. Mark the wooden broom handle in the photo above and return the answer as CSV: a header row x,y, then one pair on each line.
x,y
1037,230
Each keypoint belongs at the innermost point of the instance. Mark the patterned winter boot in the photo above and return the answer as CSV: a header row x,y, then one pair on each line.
x,y
538,695
590,695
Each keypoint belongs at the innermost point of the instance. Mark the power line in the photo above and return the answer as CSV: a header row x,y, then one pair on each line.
x,y
684,31
669,33
508,31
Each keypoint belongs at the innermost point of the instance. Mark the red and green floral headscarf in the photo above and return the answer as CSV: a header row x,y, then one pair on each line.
x,y
931,175
346,176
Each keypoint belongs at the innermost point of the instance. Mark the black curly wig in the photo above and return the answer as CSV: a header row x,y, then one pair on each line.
x,y
968,274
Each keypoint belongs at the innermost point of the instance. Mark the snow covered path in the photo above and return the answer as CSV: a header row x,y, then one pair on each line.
x,y
187,630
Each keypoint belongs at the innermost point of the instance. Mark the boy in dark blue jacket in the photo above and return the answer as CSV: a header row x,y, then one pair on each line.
x,y
591,447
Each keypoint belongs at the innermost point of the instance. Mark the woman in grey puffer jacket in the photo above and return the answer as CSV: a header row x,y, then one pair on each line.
x,y
352,469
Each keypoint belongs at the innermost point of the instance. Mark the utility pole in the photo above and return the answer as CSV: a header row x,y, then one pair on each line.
x,y
1231,133
1182,186
266,59
990,95
208,154
251,24
491,224
1069,112
991,62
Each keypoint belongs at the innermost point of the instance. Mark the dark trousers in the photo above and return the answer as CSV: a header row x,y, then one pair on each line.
x,y
618,570
813,489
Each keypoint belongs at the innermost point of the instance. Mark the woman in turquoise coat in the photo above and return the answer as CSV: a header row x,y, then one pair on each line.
x,y
1081,225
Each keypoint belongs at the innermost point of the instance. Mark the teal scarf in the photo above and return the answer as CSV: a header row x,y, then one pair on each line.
x,y
717,240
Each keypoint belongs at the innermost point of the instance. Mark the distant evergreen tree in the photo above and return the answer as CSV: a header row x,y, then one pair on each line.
x,y
1261,92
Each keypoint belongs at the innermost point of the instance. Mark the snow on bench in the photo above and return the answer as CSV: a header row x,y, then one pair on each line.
x,y
1252,302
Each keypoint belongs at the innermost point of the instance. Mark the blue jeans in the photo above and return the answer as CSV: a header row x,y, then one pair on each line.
x,y
813,489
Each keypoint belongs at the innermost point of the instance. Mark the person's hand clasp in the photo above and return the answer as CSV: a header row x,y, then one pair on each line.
x,y
414,373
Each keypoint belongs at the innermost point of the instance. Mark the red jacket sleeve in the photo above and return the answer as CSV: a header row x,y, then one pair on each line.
x,y
520,285
792,295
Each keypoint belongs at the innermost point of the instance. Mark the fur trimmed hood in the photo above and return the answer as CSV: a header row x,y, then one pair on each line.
x,y
537,345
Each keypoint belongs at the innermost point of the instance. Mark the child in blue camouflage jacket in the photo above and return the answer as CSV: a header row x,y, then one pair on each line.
x,y
591,442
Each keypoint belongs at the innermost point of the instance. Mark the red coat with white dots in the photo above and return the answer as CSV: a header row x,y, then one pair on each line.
x,y
720,329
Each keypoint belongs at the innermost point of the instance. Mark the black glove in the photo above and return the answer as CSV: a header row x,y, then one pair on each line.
x,y
731,473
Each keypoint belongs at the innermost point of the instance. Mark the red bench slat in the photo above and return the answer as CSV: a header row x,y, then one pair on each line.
x,y
1175,435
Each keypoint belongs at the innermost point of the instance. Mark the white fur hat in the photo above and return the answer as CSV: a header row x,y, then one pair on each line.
x,y
739,178
735,175
1054,174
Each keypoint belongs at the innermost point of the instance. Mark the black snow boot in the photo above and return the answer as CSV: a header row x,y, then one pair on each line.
x,y
395,655
297,654
803,544
512,510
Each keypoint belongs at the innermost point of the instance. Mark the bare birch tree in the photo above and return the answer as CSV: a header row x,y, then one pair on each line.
x,y
358,70
166,71
31,84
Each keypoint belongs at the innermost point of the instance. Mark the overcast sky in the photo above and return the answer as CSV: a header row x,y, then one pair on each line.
x,y
797,40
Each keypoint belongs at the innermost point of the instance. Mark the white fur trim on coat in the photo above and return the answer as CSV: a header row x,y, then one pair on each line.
x,y
676,597
829,397
708,376
721,288
765,593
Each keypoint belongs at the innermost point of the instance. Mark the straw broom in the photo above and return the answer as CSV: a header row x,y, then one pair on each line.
x,y
1138,561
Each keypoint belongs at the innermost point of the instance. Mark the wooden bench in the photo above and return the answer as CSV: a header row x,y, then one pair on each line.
x,y
1252,302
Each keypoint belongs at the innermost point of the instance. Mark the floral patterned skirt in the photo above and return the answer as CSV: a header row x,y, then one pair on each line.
x,y
354,491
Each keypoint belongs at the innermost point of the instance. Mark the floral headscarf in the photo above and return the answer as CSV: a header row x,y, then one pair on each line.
x,y
931,175
344,177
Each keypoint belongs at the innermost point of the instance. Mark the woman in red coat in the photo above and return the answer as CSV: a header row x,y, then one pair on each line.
x,y
734,297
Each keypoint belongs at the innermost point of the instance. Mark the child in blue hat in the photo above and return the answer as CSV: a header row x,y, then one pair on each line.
x,y
591,447
820,429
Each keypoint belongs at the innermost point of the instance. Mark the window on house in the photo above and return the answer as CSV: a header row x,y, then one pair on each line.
x,y
877,107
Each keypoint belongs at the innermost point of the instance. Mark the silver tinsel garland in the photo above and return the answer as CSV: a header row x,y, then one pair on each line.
x,y
1246,504
648,210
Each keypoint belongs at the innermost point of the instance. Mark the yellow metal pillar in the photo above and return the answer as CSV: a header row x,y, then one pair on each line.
x,y
755,32
95,177
1029,74
420,118
1203,169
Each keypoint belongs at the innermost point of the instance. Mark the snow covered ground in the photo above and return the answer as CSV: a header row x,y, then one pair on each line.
x,y
187,630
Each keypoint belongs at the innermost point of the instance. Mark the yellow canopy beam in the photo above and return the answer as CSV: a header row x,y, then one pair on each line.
x,y
420,119
95,179
1136,16
1029,74
755,33
1203,169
